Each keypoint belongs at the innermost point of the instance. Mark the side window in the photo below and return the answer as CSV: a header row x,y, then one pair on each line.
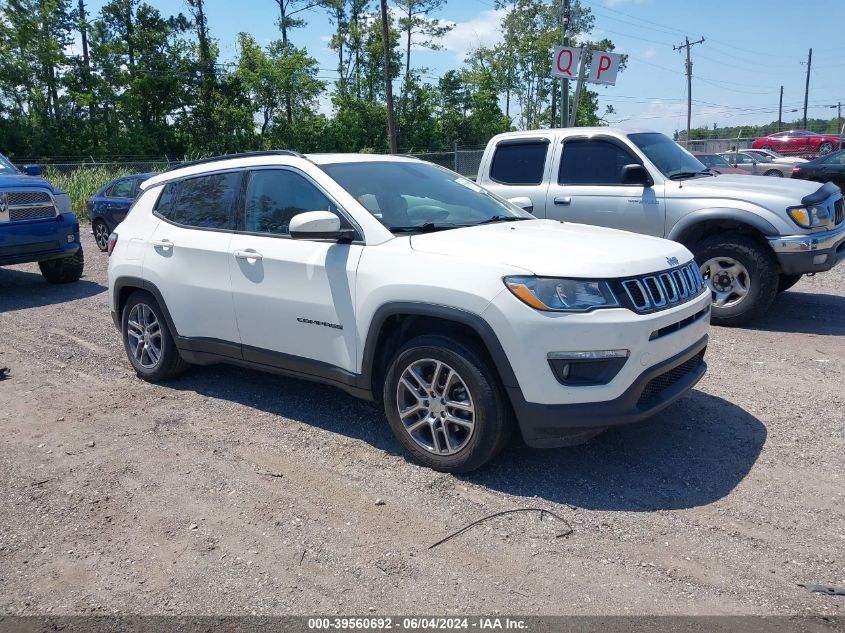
x,y
520,163
593,163
274,196
203,202
121,189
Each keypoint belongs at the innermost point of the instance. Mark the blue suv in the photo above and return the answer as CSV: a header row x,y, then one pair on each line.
x,y
107,208
38,225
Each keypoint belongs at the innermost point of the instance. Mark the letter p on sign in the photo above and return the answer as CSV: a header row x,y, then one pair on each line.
x,y
565,62
603,68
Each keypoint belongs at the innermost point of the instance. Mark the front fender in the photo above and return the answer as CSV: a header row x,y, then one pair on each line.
x,y
689,221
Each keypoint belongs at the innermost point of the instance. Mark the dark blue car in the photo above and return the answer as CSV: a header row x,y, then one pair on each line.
x,y
108,207
37,224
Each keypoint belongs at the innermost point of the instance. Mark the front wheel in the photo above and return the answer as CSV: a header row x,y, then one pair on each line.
x,y
444,404
774,172
64,270
787,281
742,277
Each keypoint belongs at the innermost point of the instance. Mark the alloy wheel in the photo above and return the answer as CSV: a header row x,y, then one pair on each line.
x,y
727,279
825,148
435,406
144,335
101,235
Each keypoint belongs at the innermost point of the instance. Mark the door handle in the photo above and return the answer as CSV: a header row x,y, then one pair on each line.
x,y
563,200
248,255
165,243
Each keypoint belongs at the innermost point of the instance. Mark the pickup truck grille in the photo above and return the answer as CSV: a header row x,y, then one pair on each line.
x,y
663,290
26,205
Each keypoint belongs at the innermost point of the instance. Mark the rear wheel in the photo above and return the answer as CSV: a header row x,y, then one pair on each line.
x,y
787,281
774,172
147,339
742,277
101,235
767,147
444,404
63,270
826,147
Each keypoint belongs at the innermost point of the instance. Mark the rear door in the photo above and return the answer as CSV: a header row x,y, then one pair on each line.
x,y
187,258
294,299
519,168
118,198
587,188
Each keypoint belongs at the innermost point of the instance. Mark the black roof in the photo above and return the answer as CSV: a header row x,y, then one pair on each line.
x,y
214,159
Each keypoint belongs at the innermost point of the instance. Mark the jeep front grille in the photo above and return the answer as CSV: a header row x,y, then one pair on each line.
x,y
650,293
839,211
32,204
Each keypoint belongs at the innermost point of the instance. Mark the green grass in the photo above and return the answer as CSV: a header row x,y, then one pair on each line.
x,y
85,181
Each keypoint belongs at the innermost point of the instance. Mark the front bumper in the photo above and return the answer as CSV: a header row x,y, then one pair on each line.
x,y
39,240
553,425
811,253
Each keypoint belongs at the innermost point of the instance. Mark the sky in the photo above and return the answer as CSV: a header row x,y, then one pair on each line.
x,y
751,48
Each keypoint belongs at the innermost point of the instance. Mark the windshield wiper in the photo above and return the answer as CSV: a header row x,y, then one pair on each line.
x,y
500,218
426,227
681,175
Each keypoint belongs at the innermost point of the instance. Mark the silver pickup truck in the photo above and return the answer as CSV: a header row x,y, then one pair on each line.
x,y
752,237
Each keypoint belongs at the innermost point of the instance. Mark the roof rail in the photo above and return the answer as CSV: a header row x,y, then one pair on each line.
x,y
214,159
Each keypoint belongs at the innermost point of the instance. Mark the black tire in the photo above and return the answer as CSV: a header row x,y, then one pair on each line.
x,y
785,282
170,364
492,417
761,267
825,147
767,147
101,234
64,270
774,172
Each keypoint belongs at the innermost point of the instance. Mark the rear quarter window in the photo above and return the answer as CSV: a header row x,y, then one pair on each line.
x,y
519,163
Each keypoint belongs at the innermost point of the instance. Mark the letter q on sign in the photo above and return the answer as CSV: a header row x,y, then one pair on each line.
x,y
565,62
604,67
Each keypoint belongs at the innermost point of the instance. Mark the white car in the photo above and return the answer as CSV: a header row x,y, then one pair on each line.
x,y
768,156
402,282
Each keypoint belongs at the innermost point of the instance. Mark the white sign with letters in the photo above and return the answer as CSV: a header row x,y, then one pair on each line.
x,y
604,67
565,62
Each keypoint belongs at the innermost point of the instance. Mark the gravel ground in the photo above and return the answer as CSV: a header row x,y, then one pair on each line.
x,y
231,491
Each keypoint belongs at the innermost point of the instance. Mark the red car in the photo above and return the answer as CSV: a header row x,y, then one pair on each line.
x,y
797,142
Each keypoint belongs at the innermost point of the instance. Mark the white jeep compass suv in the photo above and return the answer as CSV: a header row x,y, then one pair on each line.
x,y
402,282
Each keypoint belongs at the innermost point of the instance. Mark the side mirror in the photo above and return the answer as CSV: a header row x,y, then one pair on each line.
x,y
319,225
33,170
523,202
635,174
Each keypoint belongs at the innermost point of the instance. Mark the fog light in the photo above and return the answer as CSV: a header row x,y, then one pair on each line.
x,y
587,368
70,238
819,259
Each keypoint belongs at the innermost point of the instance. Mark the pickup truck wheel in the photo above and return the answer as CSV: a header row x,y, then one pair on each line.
x,y
444,404
64,270
786,282
101,235
742,276
147,339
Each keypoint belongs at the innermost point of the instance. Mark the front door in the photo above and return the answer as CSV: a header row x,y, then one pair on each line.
x,y
588,189
294,299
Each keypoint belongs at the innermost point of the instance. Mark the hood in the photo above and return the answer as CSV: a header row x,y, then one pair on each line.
x,y
772,193
12,181
556,249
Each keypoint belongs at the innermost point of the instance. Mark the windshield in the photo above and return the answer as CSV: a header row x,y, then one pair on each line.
x,y
669,157
409,196
712,160
6,167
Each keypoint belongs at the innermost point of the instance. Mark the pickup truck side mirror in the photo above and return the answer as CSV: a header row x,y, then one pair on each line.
x,y
523,202
32,170
635,174
319,225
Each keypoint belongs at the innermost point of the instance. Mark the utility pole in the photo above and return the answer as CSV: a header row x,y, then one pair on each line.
x,y
564,82
780,110
388,86
807,85
687,45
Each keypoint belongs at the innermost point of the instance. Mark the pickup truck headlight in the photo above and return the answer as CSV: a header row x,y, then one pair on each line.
x,y
62,201
809,217
562,295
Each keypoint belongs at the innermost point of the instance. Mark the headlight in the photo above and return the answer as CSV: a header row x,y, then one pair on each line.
x,y
62,201
809,217
562,295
